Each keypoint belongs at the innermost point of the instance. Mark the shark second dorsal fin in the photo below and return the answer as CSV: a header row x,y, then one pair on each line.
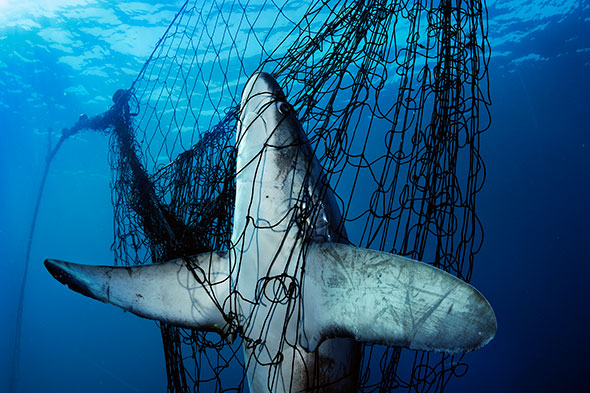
x,y
384,298
180,292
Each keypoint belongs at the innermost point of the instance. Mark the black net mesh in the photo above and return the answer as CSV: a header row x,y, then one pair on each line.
x,y
393,96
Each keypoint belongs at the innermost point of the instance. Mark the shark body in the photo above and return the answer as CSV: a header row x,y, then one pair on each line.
x,y
301,297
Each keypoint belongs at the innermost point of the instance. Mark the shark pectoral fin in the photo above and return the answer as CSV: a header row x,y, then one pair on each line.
x,y
384,298
182,293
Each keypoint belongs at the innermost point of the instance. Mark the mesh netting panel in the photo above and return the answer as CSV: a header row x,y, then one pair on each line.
x,y
393,96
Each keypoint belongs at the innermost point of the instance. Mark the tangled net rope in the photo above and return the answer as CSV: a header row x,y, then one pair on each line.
x,y
393,96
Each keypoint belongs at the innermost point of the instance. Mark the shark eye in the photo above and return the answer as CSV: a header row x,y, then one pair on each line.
x,y
284,108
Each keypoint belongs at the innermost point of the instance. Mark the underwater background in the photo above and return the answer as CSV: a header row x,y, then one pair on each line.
x,y
62,58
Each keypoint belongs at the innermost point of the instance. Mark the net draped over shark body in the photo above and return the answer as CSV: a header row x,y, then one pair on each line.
x,y
301,296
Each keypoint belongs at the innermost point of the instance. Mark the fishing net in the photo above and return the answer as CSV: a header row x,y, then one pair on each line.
x,y
393,96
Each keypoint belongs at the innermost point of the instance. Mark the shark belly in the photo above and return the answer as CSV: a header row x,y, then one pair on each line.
x,y
276,173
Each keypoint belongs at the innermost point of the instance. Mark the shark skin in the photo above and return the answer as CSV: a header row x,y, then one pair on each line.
x,y
302,298
278,179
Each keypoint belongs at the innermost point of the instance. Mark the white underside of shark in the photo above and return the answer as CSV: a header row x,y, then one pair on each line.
x,y
301,297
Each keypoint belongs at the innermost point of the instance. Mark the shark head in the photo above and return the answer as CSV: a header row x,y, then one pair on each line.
x,y
301,296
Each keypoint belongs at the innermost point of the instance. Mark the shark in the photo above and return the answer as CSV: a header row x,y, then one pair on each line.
x,y
301,296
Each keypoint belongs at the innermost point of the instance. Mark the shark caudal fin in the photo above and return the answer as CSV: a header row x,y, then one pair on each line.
x,y
384,298
171,292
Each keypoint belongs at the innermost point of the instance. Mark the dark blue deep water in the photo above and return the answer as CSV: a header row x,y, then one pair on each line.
x,y
61,58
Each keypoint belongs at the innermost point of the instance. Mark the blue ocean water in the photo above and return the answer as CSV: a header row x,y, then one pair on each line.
x,y
61,58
